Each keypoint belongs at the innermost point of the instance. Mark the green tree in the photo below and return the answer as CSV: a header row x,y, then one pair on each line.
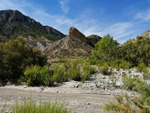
x,y
105,49
16,56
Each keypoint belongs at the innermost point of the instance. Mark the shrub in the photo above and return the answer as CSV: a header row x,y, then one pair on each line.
x,y
87,70
37,75
74,71
104,69
59,73
124,64
15,56
42,107
129,82
118,64
141,67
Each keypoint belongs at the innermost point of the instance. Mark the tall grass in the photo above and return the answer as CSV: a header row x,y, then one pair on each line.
x,y
43,107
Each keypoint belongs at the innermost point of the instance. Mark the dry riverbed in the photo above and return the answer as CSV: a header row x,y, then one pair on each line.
x,y
87,97
78,100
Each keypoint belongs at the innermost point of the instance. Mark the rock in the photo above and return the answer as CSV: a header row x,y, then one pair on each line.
x,y
73,32
93,39
103,77
119,84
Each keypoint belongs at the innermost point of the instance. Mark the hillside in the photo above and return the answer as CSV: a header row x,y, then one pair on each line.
x,y
74,45
13,24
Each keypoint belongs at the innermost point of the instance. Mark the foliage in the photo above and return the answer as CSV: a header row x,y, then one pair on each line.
x,y
74,71
129,54
141,67
105,49
87,70
59,73
104,69
37,75
43,107
15,56
127,104
129,82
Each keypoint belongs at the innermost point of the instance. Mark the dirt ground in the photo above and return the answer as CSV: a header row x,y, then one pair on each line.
x,y
78,100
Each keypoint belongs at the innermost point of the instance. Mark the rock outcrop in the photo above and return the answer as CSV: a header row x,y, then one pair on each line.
x,y
93,39
73,32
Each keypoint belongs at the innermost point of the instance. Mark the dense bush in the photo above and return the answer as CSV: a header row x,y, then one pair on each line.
x,y
120,64
15,56
74,71
59,73
37,75
105,49
131,53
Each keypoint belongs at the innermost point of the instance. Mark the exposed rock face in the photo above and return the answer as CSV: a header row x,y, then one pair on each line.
x,y
73,32
93,39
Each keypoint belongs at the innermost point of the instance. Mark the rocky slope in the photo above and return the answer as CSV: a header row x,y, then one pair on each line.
x,y
74,45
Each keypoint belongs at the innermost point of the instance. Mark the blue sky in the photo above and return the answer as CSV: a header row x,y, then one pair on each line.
x,y
122,19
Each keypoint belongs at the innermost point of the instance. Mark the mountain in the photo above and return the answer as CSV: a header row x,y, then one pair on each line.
x,y
49,40
13,24
74,45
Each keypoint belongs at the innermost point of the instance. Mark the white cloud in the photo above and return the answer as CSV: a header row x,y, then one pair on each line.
x,y
65,5
143,16
119,30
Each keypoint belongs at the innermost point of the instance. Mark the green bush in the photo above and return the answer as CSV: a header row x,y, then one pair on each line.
x,y
43,107
118,64
37,75
59,73
104,69
141,67
15,56
74,71
124,64
130,83
87,70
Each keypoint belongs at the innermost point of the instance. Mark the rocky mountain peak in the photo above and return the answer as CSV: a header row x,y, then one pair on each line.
x,y
11,15
73,32
91,40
